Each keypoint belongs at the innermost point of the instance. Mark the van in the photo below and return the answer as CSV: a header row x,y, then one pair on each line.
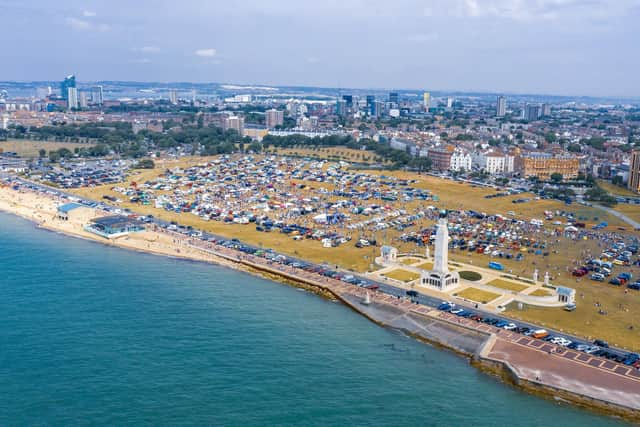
x,y
540,333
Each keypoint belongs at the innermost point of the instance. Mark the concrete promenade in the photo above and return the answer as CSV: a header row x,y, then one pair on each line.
x,y
560,372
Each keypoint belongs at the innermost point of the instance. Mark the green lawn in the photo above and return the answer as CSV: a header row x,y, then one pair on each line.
x,y
505,284
478,295
402,275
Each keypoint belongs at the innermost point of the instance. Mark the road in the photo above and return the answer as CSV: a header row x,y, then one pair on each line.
x,y
386,288
634,224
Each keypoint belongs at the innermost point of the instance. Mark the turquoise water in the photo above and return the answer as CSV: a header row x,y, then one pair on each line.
x,y
93,335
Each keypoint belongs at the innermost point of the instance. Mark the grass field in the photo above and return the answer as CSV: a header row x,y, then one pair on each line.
x,y
409,261
425,266
540,293
402,275
504,284
30,148
616,190
455,195
632,211
470,275
478,295
560,261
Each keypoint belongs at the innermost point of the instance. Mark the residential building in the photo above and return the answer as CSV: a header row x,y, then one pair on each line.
x,y
83,100
426,101
97,96
531,112
634,172
545,111
460,161
72,98
173,97
236,123
501,106
274,118
440,158
543,165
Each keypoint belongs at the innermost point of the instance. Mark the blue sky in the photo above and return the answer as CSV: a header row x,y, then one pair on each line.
x,y
573,47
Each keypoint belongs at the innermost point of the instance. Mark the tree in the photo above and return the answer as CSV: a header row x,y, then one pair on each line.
x,y
556,177
42,152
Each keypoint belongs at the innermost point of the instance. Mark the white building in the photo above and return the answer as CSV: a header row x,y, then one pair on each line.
x,y
72,98
440,277
460,161
4,123
490,162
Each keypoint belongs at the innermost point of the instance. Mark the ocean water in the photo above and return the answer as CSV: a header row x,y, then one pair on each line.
x,y
94,335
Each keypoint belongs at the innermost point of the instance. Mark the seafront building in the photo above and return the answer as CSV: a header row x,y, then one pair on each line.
x,y
543,165
440,277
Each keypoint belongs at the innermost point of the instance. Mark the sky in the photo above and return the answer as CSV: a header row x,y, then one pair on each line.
x,y
563,47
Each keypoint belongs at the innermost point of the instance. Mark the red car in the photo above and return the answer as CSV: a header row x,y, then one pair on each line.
x,y
579,272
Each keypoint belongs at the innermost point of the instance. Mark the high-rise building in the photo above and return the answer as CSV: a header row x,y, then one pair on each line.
x,y
546,110
341,107
393,97
68,82
634,172
531,112
501,106
234,122
378,108
97,96
4,123
449,102
83,100
274,118
72,98
348,99
370,101
426,101
173,97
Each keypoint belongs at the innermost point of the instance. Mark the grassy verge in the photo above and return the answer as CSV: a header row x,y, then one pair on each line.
x,y
478,295
402,275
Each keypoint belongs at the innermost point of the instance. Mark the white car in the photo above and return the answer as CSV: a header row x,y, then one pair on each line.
x,y
510,327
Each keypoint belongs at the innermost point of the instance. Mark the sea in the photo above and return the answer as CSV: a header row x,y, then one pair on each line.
x,y
97,335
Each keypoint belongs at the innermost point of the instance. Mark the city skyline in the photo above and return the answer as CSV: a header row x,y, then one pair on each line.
x,y
559,47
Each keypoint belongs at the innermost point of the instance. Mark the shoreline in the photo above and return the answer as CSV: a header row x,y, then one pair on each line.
x,y
423,325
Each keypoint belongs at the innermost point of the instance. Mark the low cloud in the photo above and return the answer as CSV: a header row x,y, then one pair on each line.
x,y
147,49
88,14
84,25
205,53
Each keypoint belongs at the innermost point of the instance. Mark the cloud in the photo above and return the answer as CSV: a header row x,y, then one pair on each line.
x,y
313,60
83,25
89,13
539,9
147,49
205,53
141,61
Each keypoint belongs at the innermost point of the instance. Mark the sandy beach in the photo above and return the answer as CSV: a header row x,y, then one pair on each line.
x,y
42,209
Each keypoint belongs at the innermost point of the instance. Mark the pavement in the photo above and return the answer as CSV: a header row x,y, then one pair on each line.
x,y
620,215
